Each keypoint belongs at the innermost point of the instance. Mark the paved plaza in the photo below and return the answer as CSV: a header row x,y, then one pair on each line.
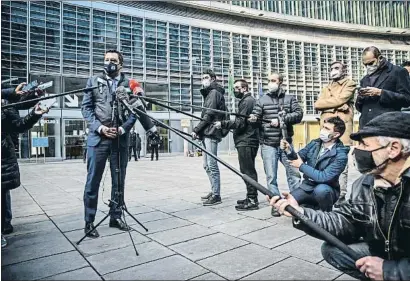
x,y
185,241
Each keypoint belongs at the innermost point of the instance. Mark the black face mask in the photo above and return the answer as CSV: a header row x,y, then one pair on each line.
x,y
110,68
238,94
365,161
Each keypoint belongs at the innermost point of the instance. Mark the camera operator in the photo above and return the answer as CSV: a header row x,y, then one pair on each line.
x,y
12,123
375,221
102,139
13,95
321,162
270,106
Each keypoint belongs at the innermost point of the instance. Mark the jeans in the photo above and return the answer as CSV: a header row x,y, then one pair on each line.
x,y
211,165
323,196
270,156
246,157
9,214
6,214
344,263
96,160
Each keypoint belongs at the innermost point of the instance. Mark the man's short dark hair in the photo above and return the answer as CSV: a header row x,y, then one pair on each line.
x,y
406,63
375,51
243,82
210,72
120,57
339,124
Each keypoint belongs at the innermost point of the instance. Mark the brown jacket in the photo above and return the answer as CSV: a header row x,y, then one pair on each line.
x,y
337,100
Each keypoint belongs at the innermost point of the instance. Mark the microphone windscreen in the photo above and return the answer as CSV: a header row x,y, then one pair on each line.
x,y
134,84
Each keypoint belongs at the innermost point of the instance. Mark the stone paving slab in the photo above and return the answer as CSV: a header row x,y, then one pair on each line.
x,y
209,276
306,248
109,243
241,226
273,236
86,273
171,268
242,261
43,267
165,224
126,257
181,234
207,246
294,269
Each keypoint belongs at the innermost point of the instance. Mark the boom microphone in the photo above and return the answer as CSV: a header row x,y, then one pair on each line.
x,y
135,103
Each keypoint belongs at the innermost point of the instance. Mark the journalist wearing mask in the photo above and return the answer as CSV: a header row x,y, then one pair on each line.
x,y
321,162
210,136
269,106
385,88
375,221
102,139
246,138
11,124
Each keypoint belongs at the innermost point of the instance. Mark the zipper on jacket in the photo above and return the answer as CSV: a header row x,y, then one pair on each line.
x,y
387,242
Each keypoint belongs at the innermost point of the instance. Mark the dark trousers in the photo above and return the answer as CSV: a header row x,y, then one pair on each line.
x,y
343,262
84,154
96,159
139,153
154,149
322,196
246,157
6,214
131,149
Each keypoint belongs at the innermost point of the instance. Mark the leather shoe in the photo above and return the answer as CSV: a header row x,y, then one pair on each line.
x,y
88,227
118,223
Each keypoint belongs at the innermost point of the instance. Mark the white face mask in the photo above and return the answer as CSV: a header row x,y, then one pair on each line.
x,y
273,87
325,136
335,74
371,69
206,83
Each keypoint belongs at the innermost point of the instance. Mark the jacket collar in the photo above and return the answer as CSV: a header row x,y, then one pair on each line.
x,y
340,81
383,75
280,94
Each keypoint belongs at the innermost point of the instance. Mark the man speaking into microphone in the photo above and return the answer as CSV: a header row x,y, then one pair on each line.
x,y
97,109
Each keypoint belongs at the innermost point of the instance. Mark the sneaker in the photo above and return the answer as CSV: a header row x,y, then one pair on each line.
x,y
213,200
249,205
8,228
275,212
206,197
3,242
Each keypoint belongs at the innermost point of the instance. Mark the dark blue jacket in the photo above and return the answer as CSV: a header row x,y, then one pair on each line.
x,y
97,111
323,170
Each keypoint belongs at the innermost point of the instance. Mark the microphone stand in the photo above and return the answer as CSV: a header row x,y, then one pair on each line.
x,y
119,203
328,237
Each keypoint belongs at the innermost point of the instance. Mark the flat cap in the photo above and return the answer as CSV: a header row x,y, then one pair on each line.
x,y
394,124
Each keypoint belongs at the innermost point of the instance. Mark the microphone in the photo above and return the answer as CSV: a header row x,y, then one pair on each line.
x,y
133,103
137,90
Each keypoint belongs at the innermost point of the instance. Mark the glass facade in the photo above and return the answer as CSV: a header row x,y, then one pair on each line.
x,y
65,43
369,12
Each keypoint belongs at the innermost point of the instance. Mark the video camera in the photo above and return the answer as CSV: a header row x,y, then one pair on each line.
x,y
34,86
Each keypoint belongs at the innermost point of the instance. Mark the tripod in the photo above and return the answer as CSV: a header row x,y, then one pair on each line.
x,y
119,192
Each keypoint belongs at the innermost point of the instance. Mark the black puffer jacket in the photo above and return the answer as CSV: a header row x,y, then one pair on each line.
x,y
380,216
268,107
12,123
213,98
